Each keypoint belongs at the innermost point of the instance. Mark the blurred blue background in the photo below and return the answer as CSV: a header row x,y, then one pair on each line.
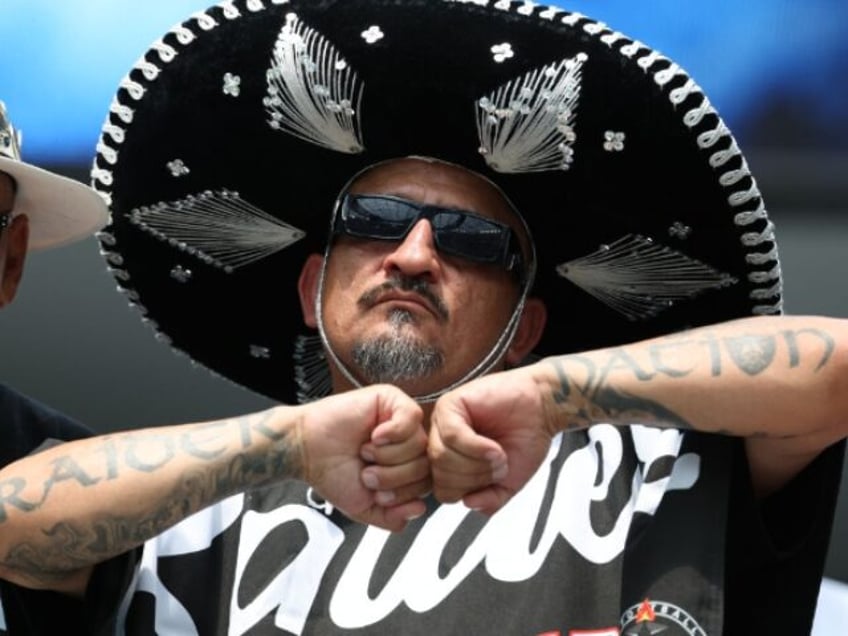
x,y
776,70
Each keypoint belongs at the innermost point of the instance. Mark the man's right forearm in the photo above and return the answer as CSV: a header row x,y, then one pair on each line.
x,y
125,488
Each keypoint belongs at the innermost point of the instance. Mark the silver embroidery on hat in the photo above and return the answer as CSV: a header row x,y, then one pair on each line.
x,y
166,52
259,352
311,371
181,274
148,69
571,19
132,295
594,28
184,35
527,7
232,84
527,124
502,52
680,230
631,49
612,37
178,168
230,11
107,238
760,246
219,228
204,20
114,259
614,141
163,338
311,95
639,278
373,34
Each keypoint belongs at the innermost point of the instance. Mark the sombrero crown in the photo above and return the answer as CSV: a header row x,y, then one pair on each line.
x,y
230,139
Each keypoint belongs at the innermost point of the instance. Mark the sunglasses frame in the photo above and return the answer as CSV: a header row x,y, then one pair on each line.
x,y
510,257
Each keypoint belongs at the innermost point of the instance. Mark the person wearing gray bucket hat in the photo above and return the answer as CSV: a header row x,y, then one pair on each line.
x,y
542,234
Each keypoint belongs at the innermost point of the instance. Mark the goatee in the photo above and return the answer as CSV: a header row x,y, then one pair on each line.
x,y
396,356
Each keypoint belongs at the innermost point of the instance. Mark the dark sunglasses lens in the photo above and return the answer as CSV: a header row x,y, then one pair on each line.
x,y
374,217
458,233
469,236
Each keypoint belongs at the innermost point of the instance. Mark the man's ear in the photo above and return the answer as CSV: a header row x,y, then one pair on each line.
x,y
307,288
14,258
531,326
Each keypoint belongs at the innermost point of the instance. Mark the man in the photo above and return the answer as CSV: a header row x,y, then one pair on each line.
x,y
38,210
682,484
41,210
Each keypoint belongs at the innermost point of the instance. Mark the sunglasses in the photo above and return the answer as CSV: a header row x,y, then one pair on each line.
x,y
455,232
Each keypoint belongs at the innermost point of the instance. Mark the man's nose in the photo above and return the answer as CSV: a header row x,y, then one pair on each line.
x,y
416,254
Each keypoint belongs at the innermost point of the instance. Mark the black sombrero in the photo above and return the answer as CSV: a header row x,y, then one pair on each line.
x,y
228,142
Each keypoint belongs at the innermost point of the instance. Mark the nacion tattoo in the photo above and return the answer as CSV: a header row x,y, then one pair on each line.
x,y
751,354
791,338
594,402
754,353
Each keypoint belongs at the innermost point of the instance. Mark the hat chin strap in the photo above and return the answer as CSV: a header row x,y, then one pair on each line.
x,y
481,368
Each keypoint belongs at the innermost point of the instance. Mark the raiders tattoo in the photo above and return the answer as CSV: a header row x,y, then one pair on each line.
x,y
224,468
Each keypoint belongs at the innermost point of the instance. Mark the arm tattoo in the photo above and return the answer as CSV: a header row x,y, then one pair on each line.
x,y
751,354
72,544
792,337
755,353
594,402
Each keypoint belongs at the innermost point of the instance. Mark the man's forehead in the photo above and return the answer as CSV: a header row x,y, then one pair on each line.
x,y
418,167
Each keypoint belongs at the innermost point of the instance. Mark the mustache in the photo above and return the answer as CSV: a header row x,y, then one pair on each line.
x,y
412,284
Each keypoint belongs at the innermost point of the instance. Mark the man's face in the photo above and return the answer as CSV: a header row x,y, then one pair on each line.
x,y
404,311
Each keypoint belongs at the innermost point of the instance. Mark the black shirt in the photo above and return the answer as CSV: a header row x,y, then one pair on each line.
x,y
767,582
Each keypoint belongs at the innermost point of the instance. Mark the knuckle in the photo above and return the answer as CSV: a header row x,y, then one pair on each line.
x,y
445,495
